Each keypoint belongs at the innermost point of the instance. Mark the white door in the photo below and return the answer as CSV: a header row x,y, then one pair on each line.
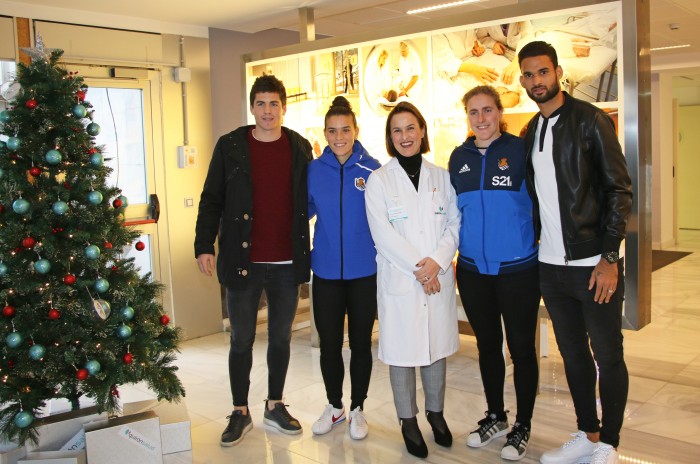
x,y
128,112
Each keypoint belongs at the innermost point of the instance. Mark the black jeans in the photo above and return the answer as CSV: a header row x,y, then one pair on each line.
x,y
282,298
581,325
332,300
515,298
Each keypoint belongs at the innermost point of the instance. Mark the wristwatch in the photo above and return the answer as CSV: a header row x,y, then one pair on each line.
x,y
611,256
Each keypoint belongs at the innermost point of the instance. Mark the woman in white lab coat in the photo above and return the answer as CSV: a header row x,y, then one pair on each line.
x,y
414,220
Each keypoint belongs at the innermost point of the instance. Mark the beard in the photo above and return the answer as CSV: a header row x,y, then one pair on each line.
x,y
548,95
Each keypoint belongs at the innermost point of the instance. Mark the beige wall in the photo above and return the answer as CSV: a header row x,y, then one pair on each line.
x,y
193,301
663,231
688,167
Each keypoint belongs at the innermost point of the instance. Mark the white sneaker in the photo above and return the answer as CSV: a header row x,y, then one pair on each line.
x,y
580,449
604,454
358,424
330,417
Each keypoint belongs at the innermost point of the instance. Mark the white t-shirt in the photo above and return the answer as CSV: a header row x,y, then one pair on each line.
x,y
551,237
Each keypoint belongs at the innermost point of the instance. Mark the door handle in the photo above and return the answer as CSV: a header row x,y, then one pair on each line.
x,y
154,207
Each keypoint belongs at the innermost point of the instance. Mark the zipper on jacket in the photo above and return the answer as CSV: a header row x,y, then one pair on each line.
x,y
342,266
483,207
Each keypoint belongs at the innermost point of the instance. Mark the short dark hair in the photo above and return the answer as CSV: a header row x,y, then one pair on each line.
x,y
268,83
406,107
538,48
340,107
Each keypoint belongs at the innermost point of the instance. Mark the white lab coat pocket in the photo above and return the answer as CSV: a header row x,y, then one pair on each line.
x,y
394,282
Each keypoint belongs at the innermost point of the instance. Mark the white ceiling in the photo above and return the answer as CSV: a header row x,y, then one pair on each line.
x,y
331,18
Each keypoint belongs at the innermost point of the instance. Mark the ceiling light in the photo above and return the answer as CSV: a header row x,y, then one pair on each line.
x,y
669,47
440,6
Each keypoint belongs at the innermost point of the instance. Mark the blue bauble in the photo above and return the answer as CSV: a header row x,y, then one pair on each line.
x,y
42,266
53,157
24,419
124,331
3,269
14,339
13,143
97,160
93,129
93,367
79,111
95,197
5,116
20,206
127,312
60,207
92,252
125,201
101,285
36,352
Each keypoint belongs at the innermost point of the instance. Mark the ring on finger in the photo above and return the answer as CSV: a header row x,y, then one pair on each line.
x,y
611,291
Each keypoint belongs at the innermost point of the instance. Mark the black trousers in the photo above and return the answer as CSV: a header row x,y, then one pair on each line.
x,y
580,326
514,298
332,300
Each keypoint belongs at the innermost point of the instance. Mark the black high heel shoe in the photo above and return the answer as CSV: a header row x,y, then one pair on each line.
x,y
443,436
413,438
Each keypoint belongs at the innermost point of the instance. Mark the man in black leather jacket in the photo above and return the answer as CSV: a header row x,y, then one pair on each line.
x,y
577,176
258,172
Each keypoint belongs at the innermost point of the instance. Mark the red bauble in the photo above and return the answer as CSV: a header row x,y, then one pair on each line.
x,y
108,245
164,319
128,358
31,103
17,250
66,185
81,374
11,363
140,246
114,268
54,314
8,311
117,203
69,279
35,171
92,151
28,242
80,95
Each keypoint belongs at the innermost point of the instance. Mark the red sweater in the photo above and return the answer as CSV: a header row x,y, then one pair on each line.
x,y
271,172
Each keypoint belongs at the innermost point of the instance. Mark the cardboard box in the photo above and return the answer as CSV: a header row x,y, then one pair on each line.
x,y
184,457
174,423
12,455
64,431
128,439
55,457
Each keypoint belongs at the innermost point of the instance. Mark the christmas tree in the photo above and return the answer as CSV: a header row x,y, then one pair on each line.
x,y
78,319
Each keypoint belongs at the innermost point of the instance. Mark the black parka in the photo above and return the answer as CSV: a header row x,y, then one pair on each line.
x,y
226,208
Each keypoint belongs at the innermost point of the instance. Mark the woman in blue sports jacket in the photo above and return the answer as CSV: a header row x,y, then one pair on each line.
x,y
497,267
344,265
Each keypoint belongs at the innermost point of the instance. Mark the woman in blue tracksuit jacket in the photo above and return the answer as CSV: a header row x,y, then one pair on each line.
x,y
344,265
497,267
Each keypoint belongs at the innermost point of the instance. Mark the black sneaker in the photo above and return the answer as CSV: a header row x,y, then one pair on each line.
x,y
489,428
238,426
280,419
516,443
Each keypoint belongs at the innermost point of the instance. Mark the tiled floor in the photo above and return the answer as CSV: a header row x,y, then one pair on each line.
x,y
662,423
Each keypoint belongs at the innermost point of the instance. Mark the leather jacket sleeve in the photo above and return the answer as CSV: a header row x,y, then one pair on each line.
x,y
614,181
